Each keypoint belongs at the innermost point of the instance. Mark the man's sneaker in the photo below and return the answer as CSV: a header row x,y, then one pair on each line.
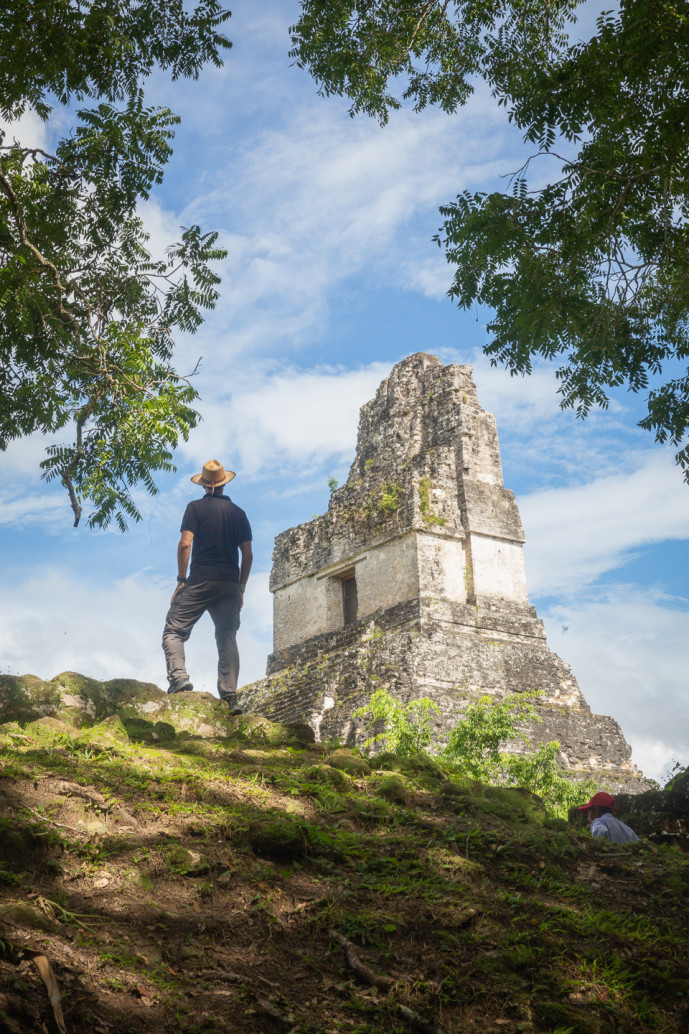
x,y
184,686
234,707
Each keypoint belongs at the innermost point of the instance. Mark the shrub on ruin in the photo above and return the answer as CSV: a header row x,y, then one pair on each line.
x,y
406,728
476,747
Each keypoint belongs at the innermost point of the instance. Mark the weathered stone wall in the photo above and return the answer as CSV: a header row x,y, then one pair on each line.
x,y
427,462
412,654
434,541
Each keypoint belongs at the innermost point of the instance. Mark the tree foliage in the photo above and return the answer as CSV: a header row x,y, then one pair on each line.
x,y
592,269
476,747
87,315
406,728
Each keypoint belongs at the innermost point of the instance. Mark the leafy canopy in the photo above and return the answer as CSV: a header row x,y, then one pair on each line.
x,y
592,269
87,316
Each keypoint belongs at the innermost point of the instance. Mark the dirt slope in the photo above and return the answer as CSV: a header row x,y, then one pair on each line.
x,y
250,885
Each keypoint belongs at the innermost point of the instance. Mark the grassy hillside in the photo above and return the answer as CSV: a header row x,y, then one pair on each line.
x,y
253,883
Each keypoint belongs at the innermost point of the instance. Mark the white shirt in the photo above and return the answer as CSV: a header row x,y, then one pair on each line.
x,y
612,829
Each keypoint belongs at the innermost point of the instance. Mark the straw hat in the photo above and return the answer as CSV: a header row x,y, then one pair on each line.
x,y
213,475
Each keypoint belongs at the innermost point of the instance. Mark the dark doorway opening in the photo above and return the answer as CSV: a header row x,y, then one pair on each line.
x,y
349,600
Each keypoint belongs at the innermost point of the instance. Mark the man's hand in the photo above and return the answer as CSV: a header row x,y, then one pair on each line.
x,y
183,554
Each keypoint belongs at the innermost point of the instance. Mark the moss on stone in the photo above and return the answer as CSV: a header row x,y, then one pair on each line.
x,y
428,514
511,803
347,761
329,775
76,683
107,733
19,913
23,698
47,730
415,765
185,862
392,787
278,838
143,731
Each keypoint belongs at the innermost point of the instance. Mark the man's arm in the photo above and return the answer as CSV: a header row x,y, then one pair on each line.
x,y
599,829
183,554
244,570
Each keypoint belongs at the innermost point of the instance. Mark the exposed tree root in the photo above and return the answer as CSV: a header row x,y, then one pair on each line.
x,y
384,984
417,1021
378,980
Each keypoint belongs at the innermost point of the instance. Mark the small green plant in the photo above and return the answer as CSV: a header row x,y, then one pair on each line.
x,y
407,727
332,484
368,465
389,499
428,515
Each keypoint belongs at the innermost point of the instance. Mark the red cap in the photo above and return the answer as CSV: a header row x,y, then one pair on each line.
x,y
599,800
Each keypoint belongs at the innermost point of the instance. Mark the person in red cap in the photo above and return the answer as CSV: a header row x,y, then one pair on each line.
x,y
216,534
603,822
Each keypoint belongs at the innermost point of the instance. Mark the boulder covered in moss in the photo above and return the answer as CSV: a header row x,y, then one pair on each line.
x,y
147,713
48,730
259,729
347,761
334,777
22,914
108,733
141,730
24,698
199,714
392,787
420,766
510,803
185,862
278,838
70,697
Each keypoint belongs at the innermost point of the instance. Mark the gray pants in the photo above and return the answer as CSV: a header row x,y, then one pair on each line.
x,y
221,600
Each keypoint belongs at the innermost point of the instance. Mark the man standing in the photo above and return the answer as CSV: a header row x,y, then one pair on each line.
x,y
213,531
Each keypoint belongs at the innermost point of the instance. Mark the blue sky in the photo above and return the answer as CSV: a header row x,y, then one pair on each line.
x,y
331,278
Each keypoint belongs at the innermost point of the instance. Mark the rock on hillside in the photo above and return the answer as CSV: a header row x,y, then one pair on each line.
x,y
170,869
146,712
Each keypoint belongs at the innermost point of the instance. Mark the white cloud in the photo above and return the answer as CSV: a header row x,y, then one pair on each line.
x,y
161,225
629,651
289,419
22,509
57,621
431,276
575,534
28,131
308,203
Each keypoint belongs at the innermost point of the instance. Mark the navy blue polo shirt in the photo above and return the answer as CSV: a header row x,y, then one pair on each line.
x,y
218,526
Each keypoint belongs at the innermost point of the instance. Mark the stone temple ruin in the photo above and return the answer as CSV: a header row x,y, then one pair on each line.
x,y
414,581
